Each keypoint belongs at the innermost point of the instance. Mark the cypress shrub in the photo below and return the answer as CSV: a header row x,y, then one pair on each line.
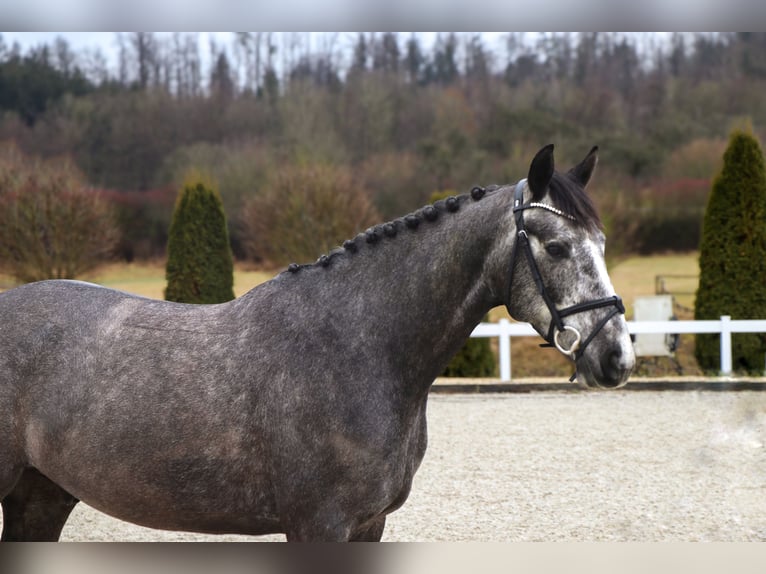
x,y
733,254
476,358
200,267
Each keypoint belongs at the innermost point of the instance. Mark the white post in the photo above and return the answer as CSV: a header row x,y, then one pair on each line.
x,y
505,350
726,345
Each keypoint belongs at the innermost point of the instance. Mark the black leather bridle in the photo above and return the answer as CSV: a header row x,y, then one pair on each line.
x,y
557,326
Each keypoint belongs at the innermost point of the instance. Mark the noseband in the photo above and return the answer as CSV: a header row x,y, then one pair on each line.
x,y
578,346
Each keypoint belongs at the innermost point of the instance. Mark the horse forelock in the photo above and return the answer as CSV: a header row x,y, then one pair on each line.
x,y
570,197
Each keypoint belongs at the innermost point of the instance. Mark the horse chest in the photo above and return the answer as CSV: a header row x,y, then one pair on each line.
x,y
357,470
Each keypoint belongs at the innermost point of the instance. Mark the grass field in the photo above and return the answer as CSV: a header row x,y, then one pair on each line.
x,y
635,276
148,279
632,277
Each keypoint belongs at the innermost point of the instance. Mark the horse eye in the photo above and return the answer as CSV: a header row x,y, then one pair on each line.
x,y
556,250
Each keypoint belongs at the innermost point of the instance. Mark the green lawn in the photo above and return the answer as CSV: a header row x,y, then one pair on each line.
x,y
635,276
148,279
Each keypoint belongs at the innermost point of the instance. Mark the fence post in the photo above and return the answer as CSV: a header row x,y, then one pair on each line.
x,y
505,349
726,345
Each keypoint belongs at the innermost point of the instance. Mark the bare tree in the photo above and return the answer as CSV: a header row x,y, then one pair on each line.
x,y
188,68
145,49
304,212
52,226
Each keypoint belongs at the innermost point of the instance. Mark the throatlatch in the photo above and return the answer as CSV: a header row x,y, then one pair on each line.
x,y
557,326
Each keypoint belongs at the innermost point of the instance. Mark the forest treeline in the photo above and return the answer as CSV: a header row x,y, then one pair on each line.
x,y
399,118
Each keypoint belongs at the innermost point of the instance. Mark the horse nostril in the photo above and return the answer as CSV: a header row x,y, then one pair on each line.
x,y
613,367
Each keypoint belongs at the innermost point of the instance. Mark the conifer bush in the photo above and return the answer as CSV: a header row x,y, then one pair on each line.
x,y
733,255
476,358
200,267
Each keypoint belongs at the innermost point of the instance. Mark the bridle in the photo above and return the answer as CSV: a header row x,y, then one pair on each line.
x,y
557,326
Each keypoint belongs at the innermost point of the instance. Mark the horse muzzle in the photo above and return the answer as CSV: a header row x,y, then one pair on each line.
x,y
609,369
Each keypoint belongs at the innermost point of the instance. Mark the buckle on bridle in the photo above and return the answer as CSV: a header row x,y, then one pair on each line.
x,y
575,344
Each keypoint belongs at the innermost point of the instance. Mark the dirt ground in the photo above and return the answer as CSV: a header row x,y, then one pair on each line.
x,y
553,466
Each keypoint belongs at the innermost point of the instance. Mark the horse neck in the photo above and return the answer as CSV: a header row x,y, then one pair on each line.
x,y
421,293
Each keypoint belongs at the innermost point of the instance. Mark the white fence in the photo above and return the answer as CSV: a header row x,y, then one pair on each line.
x,y
504,330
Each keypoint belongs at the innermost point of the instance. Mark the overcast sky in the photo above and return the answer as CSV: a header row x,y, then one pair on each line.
x,y
408,15
78,41
107,41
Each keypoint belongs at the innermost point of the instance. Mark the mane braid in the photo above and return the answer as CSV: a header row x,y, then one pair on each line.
x,y
569,196
410,222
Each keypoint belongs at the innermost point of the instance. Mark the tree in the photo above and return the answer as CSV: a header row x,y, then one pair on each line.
x,y
368,119
200,267
733,254
52,226
145,45
31,84
414,60
304,212
221,82
359,62
386,54
445,69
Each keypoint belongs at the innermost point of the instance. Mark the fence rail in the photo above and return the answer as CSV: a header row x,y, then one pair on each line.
x,y
725,326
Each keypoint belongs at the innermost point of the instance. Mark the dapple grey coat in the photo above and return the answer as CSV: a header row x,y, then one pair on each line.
x,y
299,407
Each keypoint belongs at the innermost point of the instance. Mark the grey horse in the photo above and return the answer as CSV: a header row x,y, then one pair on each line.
x,y
300,407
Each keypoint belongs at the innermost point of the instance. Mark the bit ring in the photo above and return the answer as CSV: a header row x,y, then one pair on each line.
x,y
573,347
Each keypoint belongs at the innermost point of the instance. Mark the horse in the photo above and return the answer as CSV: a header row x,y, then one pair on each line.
x,y
300,407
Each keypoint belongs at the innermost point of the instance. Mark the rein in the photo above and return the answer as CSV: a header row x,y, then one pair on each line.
x,y
557,326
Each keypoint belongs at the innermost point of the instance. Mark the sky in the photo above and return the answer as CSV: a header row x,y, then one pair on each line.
x,y
402,15
107,41
79,41
36,21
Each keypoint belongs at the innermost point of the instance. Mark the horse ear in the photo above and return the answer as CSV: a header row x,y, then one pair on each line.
x,y
541,172
583,171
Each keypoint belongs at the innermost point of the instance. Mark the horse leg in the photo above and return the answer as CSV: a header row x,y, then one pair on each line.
x,y
372,532
317,531
36,509
314,533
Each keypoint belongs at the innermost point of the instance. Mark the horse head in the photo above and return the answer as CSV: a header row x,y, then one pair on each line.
x,y
558,279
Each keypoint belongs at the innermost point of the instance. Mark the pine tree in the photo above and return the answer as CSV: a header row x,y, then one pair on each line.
x,y
733,254
200,266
